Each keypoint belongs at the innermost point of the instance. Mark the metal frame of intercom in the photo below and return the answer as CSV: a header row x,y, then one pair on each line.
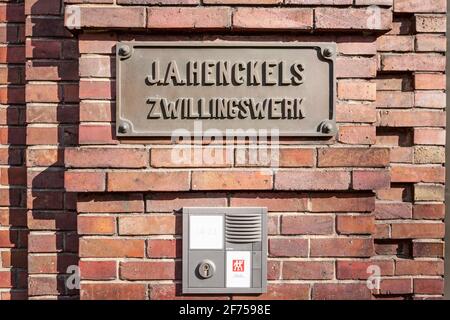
x,y
187,211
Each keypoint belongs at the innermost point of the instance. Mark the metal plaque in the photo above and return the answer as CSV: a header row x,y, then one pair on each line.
x,y
195,87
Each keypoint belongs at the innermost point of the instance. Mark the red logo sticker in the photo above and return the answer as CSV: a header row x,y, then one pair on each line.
x,y
238,265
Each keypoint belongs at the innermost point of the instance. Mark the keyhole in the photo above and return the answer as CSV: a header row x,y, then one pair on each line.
x,y
206,269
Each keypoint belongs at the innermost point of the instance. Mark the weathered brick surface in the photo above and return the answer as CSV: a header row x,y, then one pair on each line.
x,y
72,193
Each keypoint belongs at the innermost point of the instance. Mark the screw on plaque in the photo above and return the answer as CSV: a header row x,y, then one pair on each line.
x,y
124,128
124,50
327,128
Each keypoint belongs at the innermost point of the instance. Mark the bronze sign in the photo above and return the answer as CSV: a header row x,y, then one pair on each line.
x,y
193,87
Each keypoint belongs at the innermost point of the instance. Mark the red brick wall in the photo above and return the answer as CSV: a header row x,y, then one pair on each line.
x,y
371,196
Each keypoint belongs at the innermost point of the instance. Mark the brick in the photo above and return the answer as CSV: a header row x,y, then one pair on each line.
x,y
427,136
244,2
148,181
147,270
170,202
341,247
395,43
180,157
288,247
356,67
231,180
307,224
430,99
340,291
395,286
296,157
97,66
393,210
96,111
273,270
42,135
351,19
11,12
429,155
357,134
355,224
106,157
45,199
308,270
45,242
342,203
393,82
84,181
312,180
279,201
113,291
419,267
91,225
370,180
429,81
347,112
147,224
111,248
44,179
98,270
50,263
36,7
417,174
429,192
412,62
429,286
430,23
44,286
172,291
273,18
417,230
360,270
429,211
12,95
96,134
402,155
283,291
97,89
356,45
357,90
338,157
394,100
163,248
428,249
58,70
107,16
417,6
202,18
12,54
411,119
110,203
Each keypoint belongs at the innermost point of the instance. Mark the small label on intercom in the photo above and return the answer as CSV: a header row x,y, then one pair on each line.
x,y
238,273
206,232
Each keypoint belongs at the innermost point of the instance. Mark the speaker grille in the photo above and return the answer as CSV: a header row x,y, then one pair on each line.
x,y
243,227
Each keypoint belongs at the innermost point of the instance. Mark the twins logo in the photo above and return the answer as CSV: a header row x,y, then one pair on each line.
x,y
238,266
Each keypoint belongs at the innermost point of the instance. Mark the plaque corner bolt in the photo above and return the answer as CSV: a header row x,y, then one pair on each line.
x,y
328,52
124,128
124,50
327,127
